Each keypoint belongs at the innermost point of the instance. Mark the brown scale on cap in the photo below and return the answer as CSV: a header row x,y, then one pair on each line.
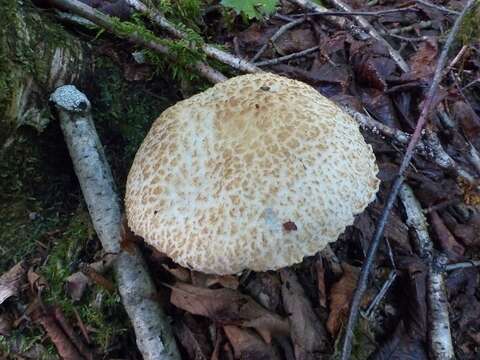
x,y
255,173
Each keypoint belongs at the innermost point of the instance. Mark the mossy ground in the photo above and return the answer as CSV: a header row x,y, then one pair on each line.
x,y
41,205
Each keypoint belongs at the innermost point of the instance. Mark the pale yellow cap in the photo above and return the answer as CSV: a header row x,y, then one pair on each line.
x,y
254,173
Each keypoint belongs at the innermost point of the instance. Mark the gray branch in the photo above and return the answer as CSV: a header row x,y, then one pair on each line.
x,y
152,328
439,335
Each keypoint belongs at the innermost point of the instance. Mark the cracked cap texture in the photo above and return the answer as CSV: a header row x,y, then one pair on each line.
x,y
254,173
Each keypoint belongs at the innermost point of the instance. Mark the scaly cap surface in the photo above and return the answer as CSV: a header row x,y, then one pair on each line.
x,y
254,173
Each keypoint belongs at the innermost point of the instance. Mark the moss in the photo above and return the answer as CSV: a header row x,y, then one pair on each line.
x,y
470,30
28,41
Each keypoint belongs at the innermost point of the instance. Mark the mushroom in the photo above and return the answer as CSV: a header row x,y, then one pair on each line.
x,y
254,173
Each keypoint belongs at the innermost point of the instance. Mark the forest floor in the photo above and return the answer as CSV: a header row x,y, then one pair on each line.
x,y
48,244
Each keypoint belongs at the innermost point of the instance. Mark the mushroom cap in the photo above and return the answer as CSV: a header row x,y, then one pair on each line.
x,y
254,173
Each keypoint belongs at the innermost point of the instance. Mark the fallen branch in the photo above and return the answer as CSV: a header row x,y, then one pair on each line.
x,y
341,22
153,334
437,7
374,34
282,30
361,13
288,57
439,335
104,21
211,51
378,235
430,147
462,265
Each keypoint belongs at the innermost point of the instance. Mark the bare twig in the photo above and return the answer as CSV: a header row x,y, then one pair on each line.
x,y
420,25
211,51
153,334
288,57
462,265
360,13
374,244
417,221
439,335
381,294
440,338
106,22
374,34
341,22
282,30
430,147
437,7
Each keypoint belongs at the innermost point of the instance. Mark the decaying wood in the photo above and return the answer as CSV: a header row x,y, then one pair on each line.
x,y
152,328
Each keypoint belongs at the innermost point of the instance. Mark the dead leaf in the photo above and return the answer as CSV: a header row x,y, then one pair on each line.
x,y
447,241
310,339
380,106
469,121
371,64
193,338
340,296
179,273
295,40
266,289
248,345
6,324
12,280
401,346
322,290
423,62
77,283
228,307
209,280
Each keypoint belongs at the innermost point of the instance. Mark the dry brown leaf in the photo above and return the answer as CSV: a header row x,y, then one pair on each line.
x,y
322,290
11,281
77,284
340,296
248,345
447,241
266,289
309,337
179,273
193,338
37,282
228,307
423,62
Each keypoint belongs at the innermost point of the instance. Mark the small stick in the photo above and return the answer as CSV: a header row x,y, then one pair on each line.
x,y
374,244
360,13
288,57
341,22
215,53
100,19
420,25
283,29
439,335
462,265
417,221
374,34
153,334
437,7
381,294
430,147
